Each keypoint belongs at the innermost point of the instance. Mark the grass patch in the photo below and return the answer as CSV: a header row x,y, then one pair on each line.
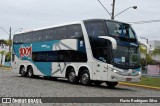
x,y
149,81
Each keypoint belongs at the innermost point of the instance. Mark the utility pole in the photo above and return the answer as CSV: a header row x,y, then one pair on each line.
x,y
113,9
10,34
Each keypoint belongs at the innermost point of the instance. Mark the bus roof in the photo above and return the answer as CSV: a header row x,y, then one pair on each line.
x,y
59,25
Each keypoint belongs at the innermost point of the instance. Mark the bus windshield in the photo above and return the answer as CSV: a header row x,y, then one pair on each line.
x,y
126,57
127,53
120,30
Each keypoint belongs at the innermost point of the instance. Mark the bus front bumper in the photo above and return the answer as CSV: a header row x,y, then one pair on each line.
x,y
114,77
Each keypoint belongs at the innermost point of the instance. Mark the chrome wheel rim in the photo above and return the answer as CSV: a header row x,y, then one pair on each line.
x,y
85,78
23,71
72,76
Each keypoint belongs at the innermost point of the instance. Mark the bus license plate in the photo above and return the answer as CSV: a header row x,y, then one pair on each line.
x,y
128,79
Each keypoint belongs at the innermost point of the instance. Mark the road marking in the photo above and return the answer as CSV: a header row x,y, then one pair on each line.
x,y
144,86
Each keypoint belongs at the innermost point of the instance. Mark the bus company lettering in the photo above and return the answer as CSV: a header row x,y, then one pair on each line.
x,y
25,51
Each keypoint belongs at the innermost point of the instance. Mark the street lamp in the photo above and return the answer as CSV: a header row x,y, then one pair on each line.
x,y
134,7
113,9
10,34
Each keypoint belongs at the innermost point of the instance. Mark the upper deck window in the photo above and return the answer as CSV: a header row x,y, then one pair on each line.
x,y
95,29
120,30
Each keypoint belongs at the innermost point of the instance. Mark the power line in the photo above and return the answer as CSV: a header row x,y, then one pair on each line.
x,y
144,22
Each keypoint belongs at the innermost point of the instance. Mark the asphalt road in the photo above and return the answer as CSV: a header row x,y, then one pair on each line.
x,y
13,85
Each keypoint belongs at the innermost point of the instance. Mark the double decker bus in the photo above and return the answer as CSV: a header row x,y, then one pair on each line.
x,y
87,51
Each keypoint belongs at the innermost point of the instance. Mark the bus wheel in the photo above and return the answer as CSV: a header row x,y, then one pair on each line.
x,y
85,78
72,77
22,71
97,83
111,84
30,72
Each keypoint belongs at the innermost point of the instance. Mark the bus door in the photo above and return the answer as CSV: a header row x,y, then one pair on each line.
x,y
101,72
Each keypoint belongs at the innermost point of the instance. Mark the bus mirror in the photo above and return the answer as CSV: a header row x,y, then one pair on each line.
x,y
146,45
112,40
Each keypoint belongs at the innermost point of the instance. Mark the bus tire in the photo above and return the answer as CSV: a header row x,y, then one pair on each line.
x,y
30,72
85,78
72,78
97,83
22,71
111,84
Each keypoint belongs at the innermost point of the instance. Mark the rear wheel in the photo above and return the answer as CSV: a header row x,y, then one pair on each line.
x,y
111,84
85,78
22,71
97,83
30,72
72,78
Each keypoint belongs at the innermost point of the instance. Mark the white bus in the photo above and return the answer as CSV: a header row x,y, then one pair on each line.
x,y
87,51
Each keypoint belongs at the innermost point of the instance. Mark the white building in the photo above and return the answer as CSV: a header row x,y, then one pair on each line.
x,y
3,47
153,45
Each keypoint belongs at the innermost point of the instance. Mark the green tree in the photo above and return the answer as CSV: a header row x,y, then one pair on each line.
x,y
8,42
8,57
155,52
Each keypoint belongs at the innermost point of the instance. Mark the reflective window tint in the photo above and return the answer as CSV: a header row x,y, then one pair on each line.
x,y
74,30
95,29
60,33
48,34
28,37
18,38
59,56
37,36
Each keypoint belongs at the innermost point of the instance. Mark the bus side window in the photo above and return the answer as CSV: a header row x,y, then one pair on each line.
x,y
28,38
15,39
74,31
60,33
48,34
95,29
37,36
20,38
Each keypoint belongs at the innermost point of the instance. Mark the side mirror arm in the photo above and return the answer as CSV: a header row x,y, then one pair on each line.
x,y
113,41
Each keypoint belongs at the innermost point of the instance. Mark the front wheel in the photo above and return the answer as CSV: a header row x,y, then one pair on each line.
x,y
111,84
85,78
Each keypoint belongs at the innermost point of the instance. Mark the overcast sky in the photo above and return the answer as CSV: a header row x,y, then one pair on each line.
x,y
32,14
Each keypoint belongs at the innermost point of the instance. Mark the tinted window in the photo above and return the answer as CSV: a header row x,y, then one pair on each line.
x,y
95,29
120,30
38,36
48,34
59,56
60,33
18,38
74,30
28,38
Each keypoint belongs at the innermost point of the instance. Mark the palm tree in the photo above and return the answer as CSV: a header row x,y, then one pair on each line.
x,y
143,50
2,54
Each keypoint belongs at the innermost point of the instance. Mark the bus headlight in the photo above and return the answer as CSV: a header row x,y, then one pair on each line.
x,y
115,71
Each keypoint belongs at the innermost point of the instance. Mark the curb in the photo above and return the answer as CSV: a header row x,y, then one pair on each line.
x,y
8,69
136,85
